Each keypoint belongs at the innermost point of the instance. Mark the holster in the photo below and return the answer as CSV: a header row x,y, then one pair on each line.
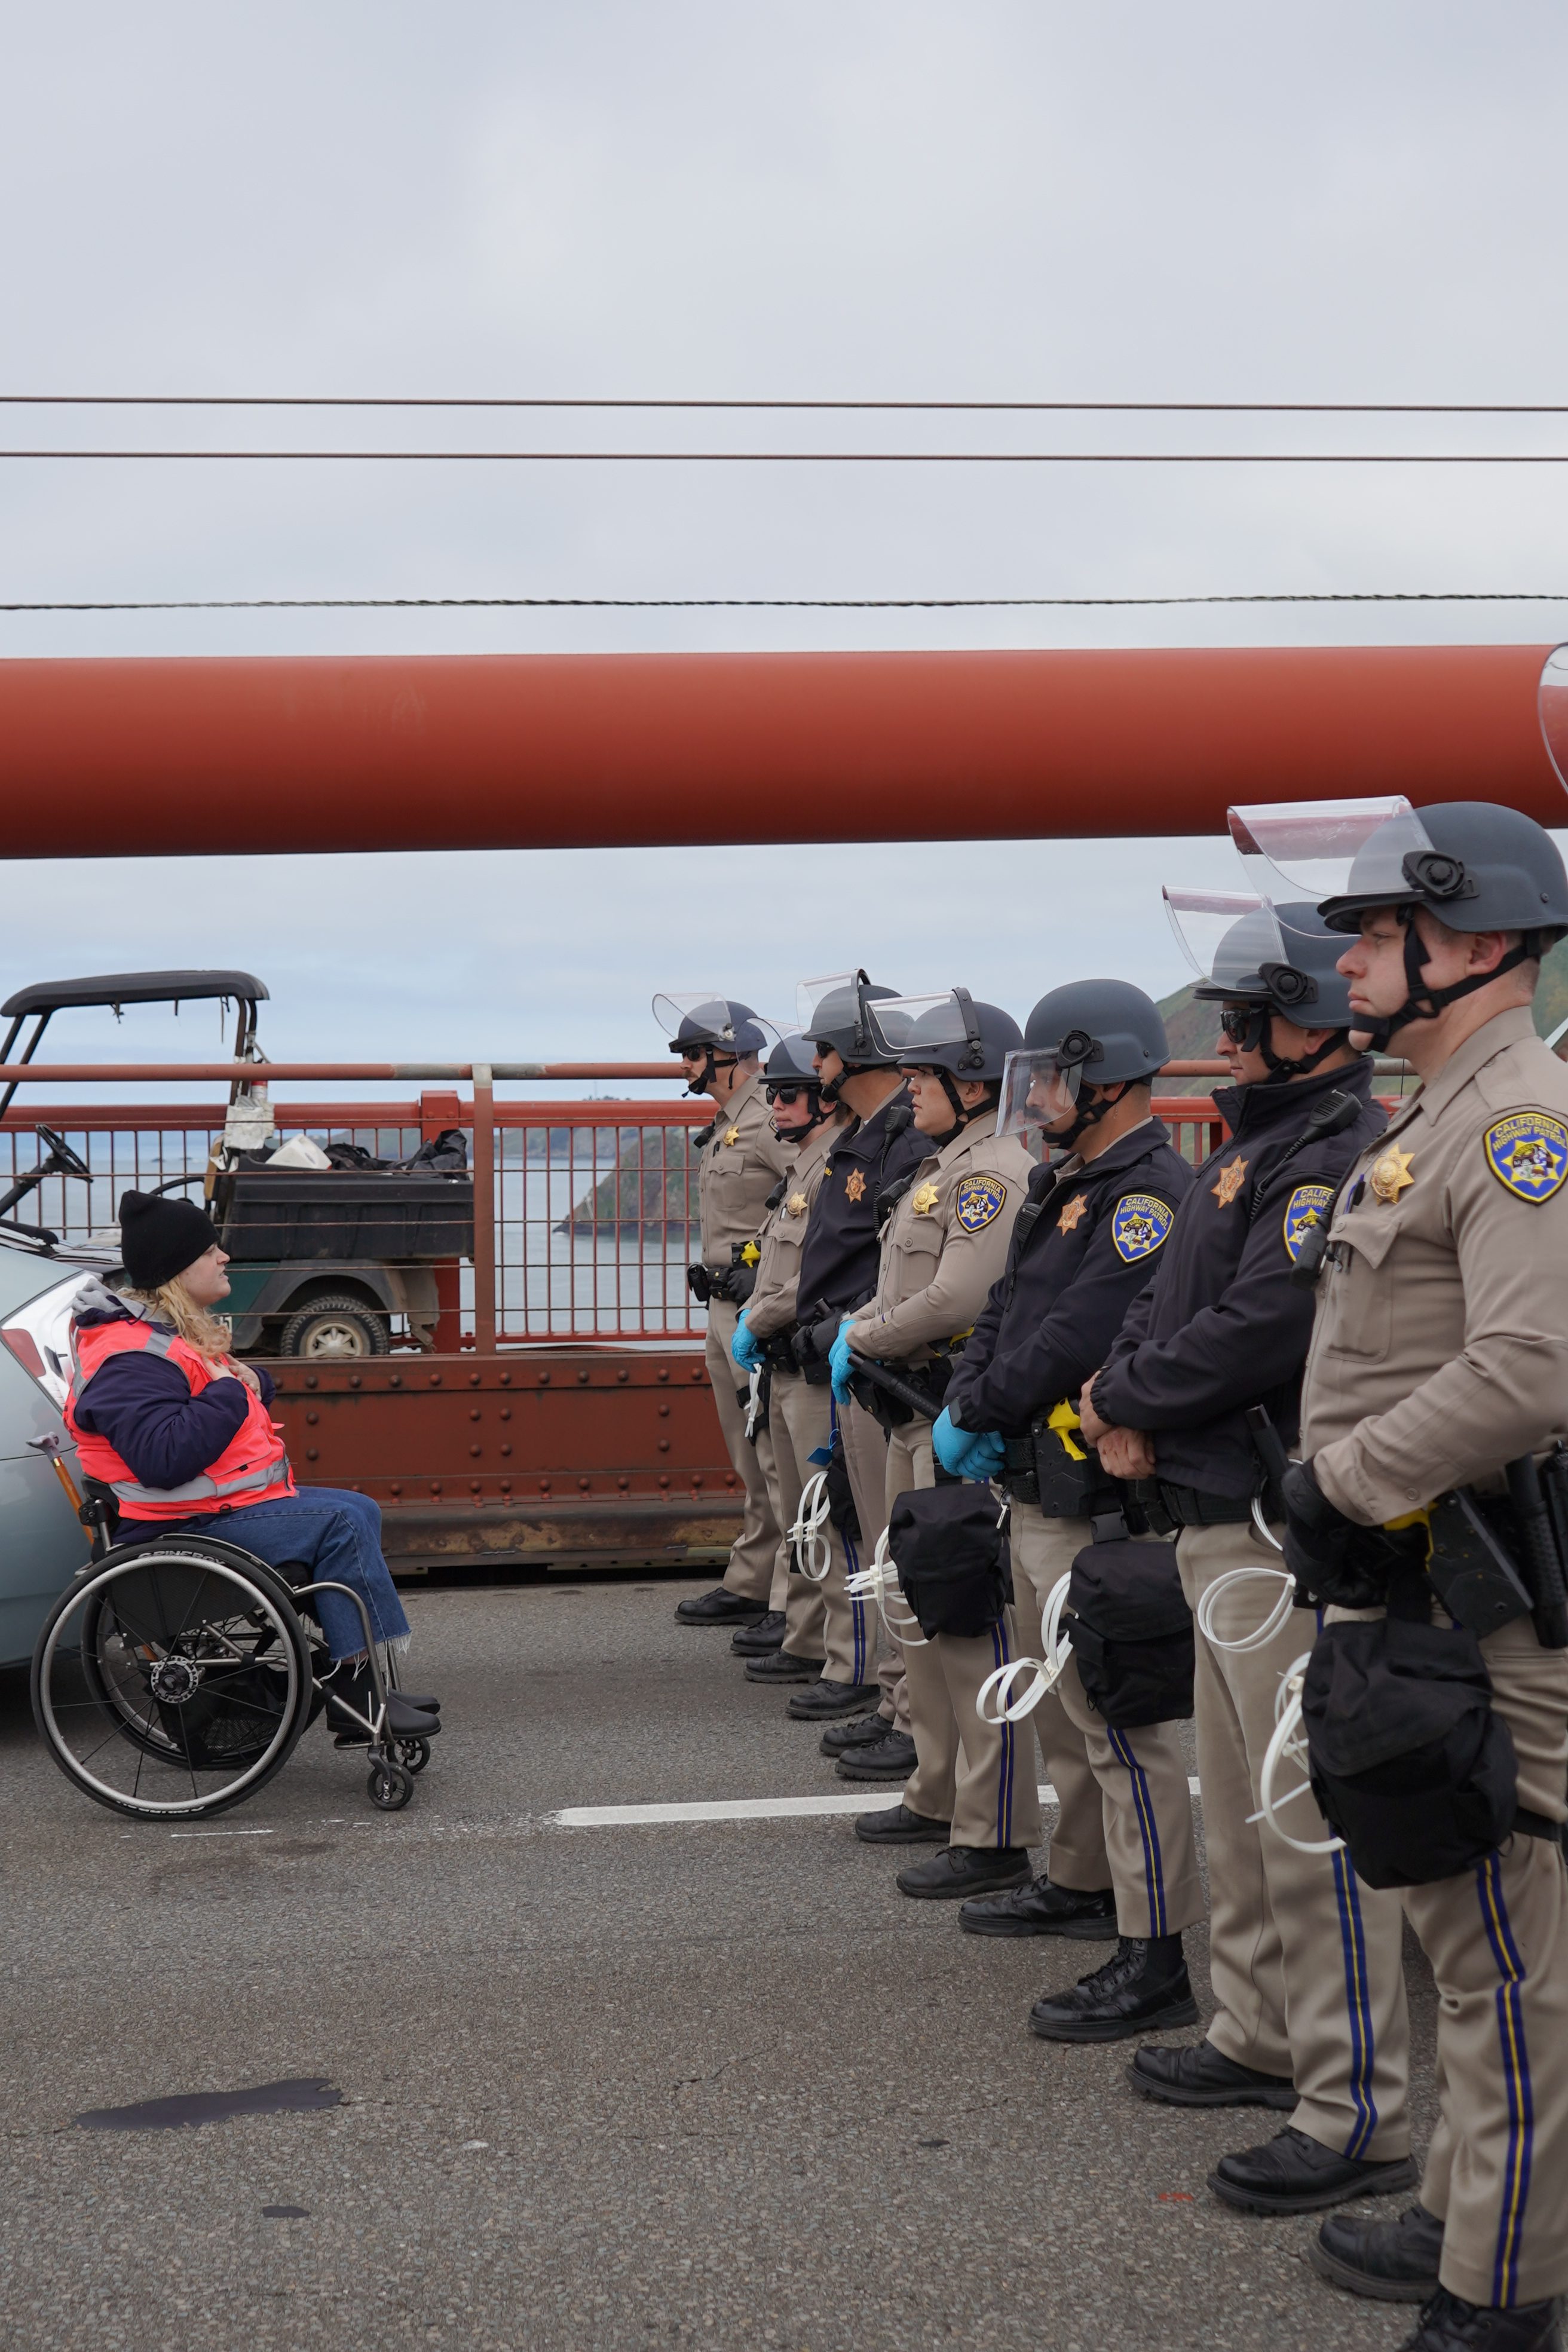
x,y
933,1379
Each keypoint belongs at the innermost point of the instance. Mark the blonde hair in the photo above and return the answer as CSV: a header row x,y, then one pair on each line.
x,y
211,1336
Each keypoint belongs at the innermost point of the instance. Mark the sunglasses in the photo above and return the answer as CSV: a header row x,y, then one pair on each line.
x,y
790,1094
1236,1022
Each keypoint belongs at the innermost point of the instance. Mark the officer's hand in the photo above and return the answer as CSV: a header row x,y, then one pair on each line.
x,y
1327,1553
1126,1452
1094,1429
964,1453
744,1350
838,1363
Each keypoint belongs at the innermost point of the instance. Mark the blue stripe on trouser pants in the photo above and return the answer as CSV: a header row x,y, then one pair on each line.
x,y
1147,1830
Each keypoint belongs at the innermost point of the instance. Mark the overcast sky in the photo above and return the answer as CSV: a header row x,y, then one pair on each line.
x,y
1013,199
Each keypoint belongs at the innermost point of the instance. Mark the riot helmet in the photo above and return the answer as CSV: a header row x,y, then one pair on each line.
x,y
1100,1035
1256,960
1473,864
719,1027
950,1033
789,1073
834,1013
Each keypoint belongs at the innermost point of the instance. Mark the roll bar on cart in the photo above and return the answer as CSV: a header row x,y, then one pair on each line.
x,y
45,998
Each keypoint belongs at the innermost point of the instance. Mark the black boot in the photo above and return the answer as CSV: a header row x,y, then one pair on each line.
x,y
1144,1984
756,1641
1294,2174
719,1607
966,1870
1042,1909
863,1732
891,1758
1393,2261
783,1667
351,1689
1204,2076
827,1699
1448,2324
896,1825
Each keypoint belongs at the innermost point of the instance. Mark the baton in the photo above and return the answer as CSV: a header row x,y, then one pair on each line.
x,y
1543,1569
901,1391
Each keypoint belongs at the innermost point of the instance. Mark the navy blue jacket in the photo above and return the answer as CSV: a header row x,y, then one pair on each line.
x,y
142,1405
839,1256
1083,1247
1222,1326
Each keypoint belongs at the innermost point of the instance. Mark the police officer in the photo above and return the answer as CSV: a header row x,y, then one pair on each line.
x,y
1439,1355
942,1247
739,1160
1303,1961
786,1646
1087,1241
838,1273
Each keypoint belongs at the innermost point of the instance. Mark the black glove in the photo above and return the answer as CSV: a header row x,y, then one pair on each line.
x,y
1333,1559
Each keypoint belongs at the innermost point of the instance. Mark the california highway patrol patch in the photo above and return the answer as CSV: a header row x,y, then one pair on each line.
x,y
1139,1226
979,1201
1529,1154
1305,1208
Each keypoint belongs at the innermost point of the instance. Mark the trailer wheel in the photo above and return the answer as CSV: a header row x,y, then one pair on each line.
x,y
335,1329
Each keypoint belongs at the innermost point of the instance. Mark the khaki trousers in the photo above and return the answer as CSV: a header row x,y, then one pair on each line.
x,y
1497,1938
1079,1857
821,1619
1140,1774
978,1776
865,1445
755,1549
1303,1959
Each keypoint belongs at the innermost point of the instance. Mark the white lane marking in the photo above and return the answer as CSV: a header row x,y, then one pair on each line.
x,y
196,1834
742,1809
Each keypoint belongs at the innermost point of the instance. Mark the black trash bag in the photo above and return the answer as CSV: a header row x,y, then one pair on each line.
x,y
446,1155
354,1155
1409,1762
952,1556
841,1495
1132,1632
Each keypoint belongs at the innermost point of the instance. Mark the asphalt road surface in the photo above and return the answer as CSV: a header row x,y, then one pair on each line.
x,y
710,2083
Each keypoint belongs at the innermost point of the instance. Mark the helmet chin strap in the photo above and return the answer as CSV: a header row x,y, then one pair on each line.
x,y
1281,1069
1424,1003
700,1086
1089,1115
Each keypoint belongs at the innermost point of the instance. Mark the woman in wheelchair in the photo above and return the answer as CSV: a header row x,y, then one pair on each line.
x,y
181,1433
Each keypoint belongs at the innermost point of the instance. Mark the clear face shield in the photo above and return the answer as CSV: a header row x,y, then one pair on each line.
x,y
1039,1092
709,1020
831,1003
916,1029
1331,849
1229,936
1554,705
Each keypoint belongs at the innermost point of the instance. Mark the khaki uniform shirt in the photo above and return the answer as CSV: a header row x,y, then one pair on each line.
x,y
771,1307
1440,1346
945,1243
736,1170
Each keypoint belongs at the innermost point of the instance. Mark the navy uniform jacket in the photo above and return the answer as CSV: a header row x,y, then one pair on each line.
x,y
1221,1325
838,1262
1081,1251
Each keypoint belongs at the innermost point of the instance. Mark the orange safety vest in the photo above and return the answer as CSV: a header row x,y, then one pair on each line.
x,y
252,1469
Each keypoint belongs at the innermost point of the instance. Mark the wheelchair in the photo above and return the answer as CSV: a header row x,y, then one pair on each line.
x,y
175,1675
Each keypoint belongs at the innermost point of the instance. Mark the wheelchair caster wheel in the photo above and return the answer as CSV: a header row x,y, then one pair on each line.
x,y
414,1754
390,1787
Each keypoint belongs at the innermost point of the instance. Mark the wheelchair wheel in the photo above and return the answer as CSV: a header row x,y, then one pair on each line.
x,y
413,1754
172,1679
389,1786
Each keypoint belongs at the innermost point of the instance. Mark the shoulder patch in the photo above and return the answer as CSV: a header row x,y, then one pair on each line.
x,y
1140,1224
1304,1209
1528,1154
979,1201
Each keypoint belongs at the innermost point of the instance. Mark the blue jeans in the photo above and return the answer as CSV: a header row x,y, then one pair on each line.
x,y
334,1534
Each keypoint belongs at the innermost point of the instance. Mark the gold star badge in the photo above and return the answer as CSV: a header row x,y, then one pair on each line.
x,y
1072,1212
923,1199
732,1135
1390,1174
795,1205
1231,1180
855,1185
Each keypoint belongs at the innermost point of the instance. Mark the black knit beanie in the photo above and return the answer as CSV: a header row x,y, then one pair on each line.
x,y
159,1237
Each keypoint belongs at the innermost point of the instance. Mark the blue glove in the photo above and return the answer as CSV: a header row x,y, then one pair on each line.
x,y
838,1363
746,1352
964,1453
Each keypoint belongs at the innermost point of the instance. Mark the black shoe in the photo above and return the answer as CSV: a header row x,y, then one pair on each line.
x,y
1202,2077
896,1825
783,1667
1448,2324
891,1758
1041,1909
1393,2261
863,1732
756,1641
826,1698
966,1870
1293,2174
719,1607
1144,1984
402,1721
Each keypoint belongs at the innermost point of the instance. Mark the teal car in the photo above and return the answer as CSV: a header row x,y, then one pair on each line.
x,y
43,1544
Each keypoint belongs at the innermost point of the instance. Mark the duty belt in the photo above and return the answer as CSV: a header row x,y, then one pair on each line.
x,y
1193,1506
